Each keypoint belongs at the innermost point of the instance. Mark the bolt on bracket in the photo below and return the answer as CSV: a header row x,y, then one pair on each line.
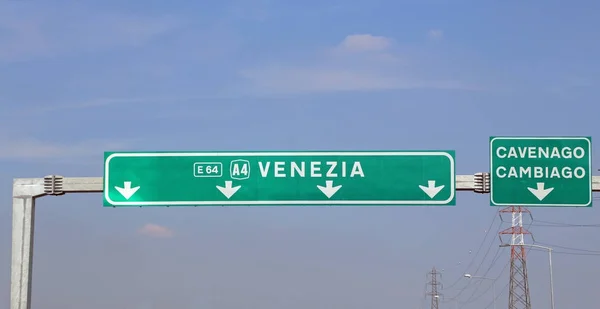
x,y
53,185
481,183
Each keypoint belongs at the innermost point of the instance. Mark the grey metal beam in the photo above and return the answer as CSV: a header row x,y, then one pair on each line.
x,y
94,184
82,184
465,183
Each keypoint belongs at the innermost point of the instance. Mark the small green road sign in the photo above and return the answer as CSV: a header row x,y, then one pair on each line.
x,y
541,171
279,178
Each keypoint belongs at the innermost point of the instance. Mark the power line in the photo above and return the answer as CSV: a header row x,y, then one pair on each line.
x,y
568,248
475,257
462,290
494,260
476,253
567,225
544,223
504,288
583,252
471,299
573,253
497,297
486,254
562,224
567,253
424,293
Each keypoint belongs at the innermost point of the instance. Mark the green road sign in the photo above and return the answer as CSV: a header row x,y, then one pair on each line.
x,y
541,171
279,178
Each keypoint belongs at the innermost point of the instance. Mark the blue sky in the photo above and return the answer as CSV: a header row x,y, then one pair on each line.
x,y
78,79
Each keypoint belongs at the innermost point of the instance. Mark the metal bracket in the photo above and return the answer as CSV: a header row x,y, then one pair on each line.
x,y
481,183
53,185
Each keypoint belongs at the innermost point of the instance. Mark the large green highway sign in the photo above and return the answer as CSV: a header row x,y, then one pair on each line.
x,y
541,171
279,178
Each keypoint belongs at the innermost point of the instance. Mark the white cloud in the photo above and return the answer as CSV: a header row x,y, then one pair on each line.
x,y
365,42
107,102
27,148
435,34
33,32
315,79
154,230
361,62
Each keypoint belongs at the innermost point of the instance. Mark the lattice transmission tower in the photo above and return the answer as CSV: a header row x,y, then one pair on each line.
x,y
518,296
432,280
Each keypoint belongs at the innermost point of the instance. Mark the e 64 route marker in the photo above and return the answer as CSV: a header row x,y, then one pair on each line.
x,y
541,171
279,178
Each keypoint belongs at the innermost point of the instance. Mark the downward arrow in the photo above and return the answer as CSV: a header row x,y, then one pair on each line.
x,y
540,192
329,190
431,190
228,190
127,191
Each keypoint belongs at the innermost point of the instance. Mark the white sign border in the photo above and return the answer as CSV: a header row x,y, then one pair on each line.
x,y
587,139
277,153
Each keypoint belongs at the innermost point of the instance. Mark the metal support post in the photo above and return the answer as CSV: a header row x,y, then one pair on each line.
x,y
494,292
551,278
22,252
25,191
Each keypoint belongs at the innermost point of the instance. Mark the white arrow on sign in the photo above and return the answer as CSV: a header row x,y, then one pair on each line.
x,y
329,190
228,190
127,191
540,192
431,190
